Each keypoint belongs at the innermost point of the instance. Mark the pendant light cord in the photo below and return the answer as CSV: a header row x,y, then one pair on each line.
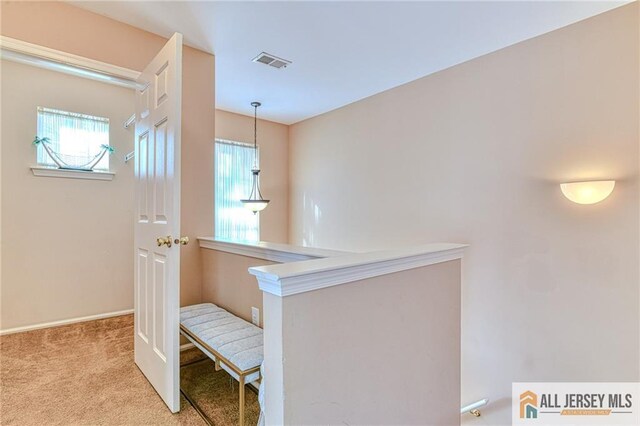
x,y
255,135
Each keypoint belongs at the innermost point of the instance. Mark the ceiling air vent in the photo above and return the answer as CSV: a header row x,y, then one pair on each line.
x,y
271,60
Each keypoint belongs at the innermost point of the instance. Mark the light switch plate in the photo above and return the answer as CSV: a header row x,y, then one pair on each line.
x,y
255,316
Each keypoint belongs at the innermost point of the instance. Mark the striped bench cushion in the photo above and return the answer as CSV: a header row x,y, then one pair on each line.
x,y
237,340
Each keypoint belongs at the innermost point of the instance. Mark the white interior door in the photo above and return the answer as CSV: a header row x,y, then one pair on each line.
x,y
157,181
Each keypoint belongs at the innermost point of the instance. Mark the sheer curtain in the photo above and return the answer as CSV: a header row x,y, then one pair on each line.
x,y
77,137
233,163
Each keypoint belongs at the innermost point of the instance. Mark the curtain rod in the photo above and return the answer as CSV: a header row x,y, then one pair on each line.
x,y
60,66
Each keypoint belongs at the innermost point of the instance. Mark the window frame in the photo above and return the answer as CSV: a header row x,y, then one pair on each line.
x,y
41,154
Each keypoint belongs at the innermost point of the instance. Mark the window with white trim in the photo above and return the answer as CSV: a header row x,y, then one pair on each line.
x,y
233,163
77,138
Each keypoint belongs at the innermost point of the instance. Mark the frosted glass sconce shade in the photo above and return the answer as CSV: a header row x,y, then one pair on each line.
x,y
588,192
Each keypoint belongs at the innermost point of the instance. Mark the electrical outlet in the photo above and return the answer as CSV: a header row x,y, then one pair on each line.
x,y
255,316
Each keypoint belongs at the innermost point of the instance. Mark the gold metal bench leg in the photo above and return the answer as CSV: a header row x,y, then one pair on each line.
x,y
218,359
241,421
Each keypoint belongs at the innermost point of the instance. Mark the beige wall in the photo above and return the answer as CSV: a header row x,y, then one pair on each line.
x,y
361,361
64,27
274,159
475,154
66,252
227,282
198,130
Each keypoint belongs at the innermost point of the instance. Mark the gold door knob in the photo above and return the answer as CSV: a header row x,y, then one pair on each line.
x,y
183,241
164,241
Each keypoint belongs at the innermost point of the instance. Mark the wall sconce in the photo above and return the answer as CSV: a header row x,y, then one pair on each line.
x,y
588,192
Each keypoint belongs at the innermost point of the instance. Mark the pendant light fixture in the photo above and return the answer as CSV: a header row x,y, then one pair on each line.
x,y
255,202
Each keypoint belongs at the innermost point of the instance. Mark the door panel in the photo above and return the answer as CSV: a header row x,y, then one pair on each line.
x,y
141,302
157,180
159,301
142,178
160,173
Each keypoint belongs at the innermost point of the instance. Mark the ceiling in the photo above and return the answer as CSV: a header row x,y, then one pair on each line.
x,y
341,51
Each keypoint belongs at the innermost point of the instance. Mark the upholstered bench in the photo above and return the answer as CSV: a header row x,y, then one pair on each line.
x,y
234,344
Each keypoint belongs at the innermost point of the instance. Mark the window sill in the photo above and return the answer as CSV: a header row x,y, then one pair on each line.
x,y
71,174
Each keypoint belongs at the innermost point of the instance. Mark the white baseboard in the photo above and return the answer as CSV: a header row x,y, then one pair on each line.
x,y
64,322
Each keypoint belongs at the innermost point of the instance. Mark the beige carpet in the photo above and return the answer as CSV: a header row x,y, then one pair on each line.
x,y
84,374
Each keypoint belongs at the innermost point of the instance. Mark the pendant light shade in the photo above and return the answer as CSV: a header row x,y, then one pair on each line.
x,y
255,202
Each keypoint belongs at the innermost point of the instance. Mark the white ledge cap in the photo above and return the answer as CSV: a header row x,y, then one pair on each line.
x,y
299,277
269,251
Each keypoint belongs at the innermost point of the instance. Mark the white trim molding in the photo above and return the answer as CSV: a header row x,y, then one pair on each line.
x,y
300,277
32,54
274,252
65,322
71,174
